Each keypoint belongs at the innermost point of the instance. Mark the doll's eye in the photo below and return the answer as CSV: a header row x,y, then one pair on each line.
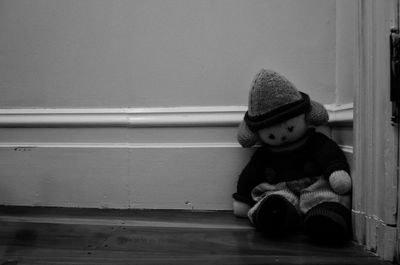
x,y
271,136
290,128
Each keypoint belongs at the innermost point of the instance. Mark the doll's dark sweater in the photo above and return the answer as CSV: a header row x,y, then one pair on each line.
x,y
316,156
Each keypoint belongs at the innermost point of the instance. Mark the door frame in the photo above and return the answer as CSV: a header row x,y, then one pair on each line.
x,y
375,176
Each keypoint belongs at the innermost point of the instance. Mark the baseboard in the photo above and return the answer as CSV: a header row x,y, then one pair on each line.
x,y
54,211
158,158
176,177
374,234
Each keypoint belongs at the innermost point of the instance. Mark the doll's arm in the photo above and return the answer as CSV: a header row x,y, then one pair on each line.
x,y
332,161
251,176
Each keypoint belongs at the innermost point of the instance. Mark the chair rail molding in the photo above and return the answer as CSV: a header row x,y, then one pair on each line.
x,y
340,115
223,116
122,117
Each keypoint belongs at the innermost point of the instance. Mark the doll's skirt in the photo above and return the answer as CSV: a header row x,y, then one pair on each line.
x,y
309,197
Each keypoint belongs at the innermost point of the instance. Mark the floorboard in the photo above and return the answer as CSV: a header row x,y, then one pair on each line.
x,y
59,236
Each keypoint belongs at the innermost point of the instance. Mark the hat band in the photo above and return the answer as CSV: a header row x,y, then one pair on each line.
x,y
279,114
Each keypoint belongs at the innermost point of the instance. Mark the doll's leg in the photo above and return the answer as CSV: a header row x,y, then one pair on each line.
x,y
328,222
327,214
277,213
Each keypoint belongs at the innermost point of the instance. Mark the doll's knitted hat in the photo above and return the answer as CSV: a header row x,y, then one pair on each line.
x,y
273,99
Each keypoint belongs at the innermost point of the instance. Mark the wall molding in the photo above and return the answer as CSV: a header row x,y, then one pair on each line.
x,y
28,146
340,115
218,116
347,149
122,117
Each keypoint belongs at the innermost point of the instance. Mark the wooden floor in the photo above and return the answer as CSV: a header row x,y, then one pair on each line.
x,y
65,236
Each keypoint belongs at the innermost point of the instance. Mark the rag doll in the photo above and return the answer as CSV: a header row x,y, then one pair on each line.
x,y
297,177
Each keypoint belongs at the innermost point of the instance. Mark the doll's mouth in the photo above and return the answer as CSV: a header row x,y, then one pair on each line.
x,y
289,146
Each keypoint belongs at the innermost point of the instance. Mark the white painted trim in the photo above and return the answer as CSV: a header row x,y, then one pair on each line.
x,y
339,107
29,146
220,116
340,115
191,109
347,149
21,146
375,181
376,231
123,117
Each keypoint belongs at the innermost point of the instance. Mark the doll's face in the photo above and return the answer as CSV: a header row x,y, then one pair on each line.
x,y
283,133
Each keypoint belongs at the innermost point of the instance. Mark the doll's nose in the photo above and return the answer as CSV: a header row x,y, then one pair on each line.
x,y
283,138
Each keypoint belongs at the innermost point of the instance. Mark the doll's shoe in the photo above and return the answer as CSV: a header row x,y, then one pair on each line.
x,y
328,222
276,216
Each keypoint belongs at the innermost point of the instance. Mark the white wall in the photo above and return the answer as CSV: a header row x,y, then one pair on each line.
x,y
151,53
346,52
108,66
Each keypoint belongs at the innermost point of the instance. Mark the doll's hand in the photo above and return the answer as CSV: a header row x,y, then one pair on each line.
x,y
297,186
340,181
